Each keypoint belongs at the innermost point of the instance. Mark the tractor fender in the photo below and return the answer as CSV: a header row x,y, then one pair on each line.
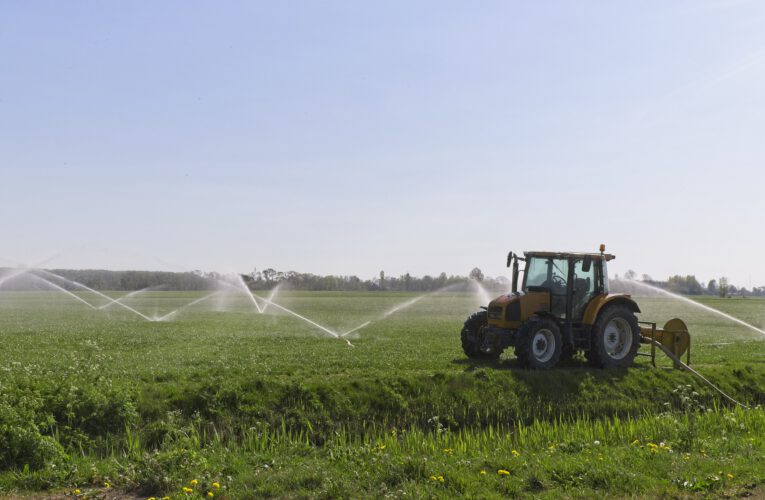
x,y
598,303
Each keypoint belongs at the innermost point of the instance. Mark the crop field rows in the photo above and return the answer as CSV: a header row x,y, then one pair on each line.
x,y
269,405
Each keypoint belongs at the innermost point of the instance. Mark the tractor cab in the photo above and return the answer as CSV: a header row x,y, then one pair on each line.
x,y
571,280
563,305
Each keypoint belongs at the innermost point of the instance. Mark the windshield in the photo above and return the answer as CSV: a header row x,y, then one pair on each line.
x,y
546,272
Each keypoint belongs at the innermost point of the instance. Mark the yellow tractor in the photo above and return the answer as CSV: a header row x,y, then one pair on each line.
x,y
563,306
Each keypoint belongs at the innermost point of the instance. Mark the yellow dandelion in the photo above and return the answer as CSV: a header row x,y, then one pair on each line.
x,y
186,489
216,485
76,492
515,453
433,478
730,476
152,498
107,485
636,443
448,450
194,482
440,479
210,494
483,472
165,498
503,472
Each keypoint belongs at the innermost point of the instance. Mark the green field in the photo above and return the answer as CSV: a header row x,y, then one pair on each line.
x,y
269,405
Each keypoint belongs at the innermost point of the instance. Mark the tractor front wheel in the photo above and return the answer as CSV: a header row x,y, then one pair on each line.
x,y
472,337
615,338
539,344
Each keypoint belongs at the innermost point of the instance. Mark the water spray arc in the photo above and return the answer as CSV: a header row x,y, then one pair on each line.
x,y
400,307
62,289
126,296
240,282
698,304
255,298
481,291
317,325
192,303
83,287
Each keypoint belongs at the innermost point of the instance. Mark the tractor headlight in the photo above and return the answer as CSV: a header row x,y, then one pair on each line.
x,y
495,312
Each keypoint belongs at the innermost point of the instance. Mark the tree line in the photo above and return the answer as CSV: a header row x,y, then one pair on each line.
x,y
690,285
100,279
268,278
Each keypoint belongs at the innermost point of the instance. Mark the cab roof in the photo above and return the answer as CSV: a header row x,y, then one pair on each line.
x,y
565,255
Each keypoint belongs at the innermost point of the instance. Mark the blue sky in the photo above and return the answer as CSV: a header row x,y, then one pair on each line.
x,y
349,137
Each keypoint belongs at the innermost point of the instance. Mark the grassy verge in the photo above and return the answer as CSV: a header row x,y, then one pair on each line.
x,y
674,453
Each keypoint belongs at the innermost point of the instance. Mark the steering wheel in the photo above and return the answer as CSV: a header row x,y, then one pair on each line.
x,y
559,281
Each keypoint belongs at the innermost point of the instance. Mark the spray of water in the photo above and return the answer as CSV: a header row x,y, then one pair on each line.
x,y
62,289
293,313
172,314
400,307
83,287
23,269
481,291
13,274
697,304
272,296
243,285
363,325
403,305
126,296
256,298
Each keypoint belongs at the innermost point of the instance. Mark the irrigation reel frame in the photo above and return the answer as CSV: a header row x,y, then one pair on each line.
x,y
674,337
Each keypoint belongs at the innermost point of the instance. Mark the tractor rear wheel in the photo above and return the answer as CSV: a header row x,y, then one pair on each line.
x,y
539,344
615,338
472,337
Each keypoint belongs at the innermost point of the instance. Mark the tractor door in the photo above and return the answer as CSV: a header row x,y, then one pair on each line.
x,y
584,288
558,282
546,274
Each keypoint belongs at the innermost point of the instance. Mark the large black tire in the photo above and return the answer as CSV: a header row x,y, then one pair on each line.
x,y
615,338
472,337
539,344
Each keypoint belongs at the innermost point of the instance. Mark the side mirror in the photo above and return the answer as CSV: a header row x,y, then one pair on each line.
x,y
509,259
586,264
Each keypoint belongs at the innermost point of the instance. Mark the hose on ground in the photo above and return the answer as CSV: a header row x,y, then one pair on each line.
x,y
687,368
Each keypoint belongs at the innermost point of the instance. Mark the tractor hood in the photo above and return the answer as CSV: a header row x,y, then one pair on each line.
x,y
508,311
504,306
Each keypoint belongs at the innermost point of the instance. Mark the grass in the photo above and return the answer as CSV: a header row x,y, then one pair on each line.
x,y
268,405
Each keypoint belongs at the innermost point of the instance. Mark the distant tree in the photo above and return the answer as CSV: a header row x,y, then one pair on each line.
x,y
712,287
723,286
688,285
647,277
382,280
476,274
630,275
269,275
407,281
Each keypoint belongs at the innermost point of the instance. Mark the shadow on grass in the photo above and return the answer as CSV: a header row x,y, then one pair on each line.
x,y
570,380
